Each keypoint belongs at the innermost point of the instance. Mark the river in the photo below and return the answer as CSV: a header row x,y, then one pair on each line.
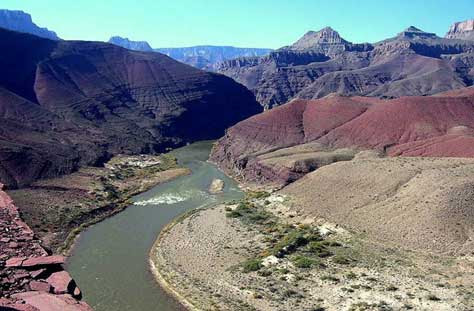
x,y
110,260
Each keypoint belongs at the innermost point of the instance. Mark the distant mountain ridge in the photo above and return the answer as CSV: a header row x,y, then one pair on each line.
x,y
209,56
201,56
131,45
413,62
22,22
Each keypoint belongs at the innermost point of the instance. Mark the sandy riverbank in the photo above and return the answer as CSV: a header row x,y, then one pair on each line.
x,y
214,259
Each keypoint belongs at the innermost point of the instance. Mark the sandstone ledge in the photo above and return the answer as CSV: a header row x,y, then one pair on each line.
x,y
31,279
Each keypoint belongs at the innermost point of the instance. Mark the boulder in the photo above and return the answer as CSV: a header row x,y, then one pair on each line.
x,y
217,185
61,282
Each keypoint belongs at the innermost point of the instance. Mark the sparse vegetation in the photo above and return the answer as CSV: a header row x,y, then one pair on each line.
x,y
304,262
341,260
338,261
319,249
331,278
433,297
252,265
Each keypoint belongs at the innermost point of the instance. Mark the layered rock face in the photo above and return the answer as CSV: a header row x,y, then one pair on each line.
x,y
131,45
320,63
64,104
285,143
462,30
22,22
31,279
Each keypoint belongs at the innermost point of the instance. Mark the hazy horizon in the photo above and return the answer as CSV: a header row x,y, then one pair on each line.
x,y
188,23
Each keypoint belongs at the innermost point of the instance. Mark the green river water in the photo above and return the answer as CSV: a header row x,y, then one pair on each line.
x,y
110,260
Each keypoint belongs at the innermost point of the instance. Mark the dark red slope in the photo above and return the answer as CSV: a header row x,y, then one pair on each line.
x,y
441,126
70,103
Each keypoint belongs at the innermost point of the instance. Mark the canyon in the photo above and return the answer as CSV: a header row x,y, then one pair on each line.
x,y
67,104
356,160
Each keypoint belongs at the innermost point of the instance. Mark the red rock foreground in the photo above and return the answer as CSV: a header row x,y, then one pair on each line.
x,y
31,279
431,126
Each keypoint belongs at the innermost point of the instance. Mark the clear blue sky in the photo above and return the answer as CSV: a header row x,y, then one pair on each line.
x,y
246,23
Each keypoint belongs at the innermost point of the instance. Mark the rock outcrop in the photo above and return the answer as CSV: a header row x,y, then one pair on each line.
x,y
22,22
462,30
285,143
65,104
131,45
217,186
320,63
31,279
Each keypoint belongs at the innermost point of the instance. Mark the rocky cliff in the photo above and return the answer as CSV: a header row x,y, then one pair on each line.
x,y
320,63
131,45
462,30
64,104
285,143
31,279
22,22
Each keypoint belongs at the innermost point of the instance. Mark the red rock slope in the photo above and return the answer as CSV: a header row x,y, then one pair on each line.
x,y
66,104
30,279
438,126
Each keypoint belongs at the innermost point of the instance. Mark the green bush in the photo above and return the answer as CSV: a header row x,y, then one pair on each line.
x,y
257,195
250,265
289,243
304,262
341,260
233,214
318,248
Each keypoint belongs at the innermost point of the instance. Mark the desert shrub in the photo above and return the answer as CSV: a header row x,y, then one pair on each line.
x,y
351,275
433,297
252,265
319,249
257,195
304,262
332,243
264,272
249,214
290,293
341,260
329,277
289,243
233,214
